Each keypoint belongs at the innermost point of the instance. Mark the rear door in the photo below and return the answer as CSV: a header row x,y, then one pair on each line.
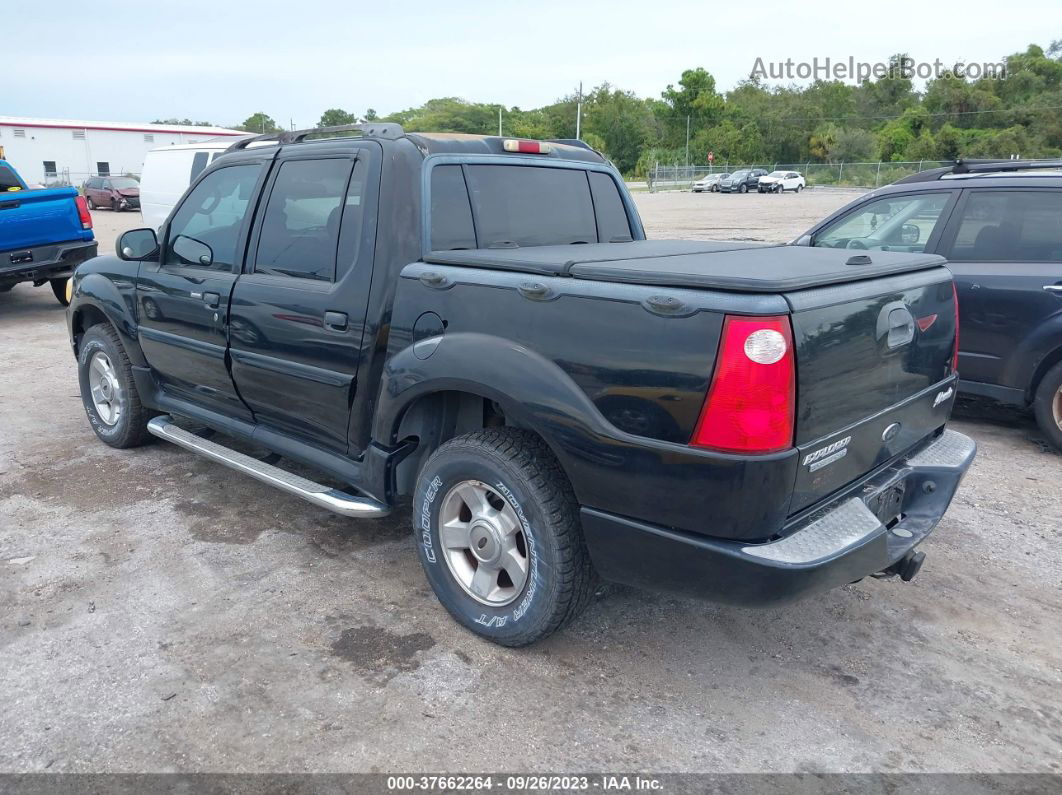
x,y
1005,248
298,312
183,298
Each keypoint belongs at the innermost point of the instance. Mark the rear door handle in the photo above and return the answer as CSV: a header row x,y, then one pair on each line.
x,y
211,299
1053,288
337,321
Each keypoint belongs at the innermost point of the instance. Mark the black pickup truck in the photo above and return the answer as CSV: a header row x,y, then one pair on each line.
x,y
480,323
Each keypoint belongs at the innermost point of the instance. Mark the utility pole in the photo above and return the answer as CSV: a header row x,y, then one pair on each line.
x,y
499,121
687,141
579,112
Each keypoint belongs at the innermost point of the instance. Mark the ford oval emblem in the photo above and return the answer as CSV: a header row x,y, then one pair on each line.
x,y
890,432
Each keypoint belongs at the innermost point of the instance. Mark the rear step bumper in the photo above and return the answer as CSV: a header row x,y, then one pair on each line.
x,y
838,545
320,495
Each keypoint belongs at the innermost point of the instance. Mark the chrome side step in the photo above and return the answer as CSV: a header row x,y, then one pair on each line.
x,y
320,495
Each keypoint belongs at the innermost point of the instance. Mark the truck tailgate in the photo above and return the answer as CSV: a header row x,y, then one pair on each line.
x,y
31,218
874,374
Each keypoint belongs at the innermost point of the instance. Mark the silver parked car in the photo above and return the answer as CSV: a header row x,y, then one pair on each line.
x,y
708,183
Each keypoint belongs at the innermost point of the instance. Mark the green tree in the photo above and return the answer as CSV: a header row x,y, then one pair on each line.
x,y
334,117
259,123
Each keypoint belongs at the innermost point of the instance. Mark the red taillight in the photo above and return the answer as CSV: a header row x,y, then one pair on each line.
x,y
752,398
955,351
83,212
527,147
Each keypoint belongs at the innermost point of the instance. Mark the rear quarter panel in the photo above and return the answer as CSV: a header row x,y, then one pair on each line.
x,y
613,388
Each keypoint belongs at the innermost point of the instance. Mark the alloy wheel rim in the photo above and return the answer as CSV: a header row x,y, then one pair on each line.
x,y
1056,408
105,389
483,543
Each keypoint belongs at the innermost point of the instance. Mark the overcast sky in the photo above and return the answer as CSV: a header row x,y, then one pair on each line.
x,y
137,60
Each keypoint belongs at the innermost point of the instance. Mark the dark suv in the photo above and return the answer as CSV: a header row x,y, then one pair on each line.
x,y
742,181
117,193
999,224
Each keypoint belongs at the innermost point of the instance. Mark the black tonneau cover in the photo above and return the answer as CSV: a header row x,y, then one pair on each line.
x,y
720,265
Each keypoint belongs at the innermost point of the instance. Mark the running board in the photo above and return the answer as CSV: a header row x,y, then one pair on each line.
x,y
320,495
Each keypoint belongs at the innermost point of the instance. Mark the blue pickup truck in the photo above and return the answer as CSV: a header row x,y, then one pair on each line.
x,y
44,234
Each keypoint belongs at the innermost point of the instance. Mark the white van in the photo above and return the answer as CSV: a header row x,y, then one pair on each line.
x,y
169,170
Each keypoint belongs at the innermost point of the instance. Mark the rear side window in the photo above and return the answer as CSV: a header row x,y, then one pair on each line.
x,y
451,214
531,205
300,228
612,223
8,180
1010,226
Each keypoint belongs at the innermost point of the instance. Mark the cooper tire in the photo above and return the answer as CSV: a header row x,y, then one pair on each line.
x,y
116,414
521,473
59,289
1047,405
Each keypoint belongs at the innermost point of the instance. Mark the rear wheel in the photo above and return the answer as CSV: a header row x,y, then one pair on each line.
x,y
59,289
91,204
1048,405
108,391
498,535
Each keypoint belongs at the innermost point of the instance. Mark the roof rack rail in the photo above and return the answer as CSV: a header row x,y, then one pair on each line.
x,y
367,129
979,166
572,142
990,166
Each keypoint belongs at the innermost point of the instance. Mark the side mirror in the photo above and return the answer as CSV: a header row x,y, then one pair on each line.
x,y
909,234
803,240
192,251
137,244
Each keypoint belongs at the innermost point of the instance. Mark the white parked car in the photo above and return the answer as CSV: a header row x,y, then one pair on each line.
x,y
778,181
169,170
708,183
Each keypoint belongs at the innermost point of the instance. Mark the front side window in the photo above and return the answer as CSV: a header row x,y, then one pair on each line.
x,y
205,230
49,168
1010,226
892,223
300,228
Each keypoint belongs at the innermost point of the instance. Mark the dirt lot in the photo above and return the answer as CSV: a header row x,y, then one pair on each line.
x,y
162,613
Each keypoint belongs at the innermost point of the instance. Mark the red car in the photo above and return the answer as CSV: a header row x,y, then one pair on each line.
x,y
117,193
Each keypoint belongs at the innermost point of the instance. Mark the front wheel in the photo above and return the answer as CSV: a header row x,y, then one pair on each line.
x,y
59,289
1047,405
498,535
799,188
108,391
115,206
743,189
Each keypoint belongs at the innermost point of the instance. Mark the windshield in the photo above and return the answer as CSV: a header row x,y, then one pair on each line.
x,y
778,174
740,174
124,182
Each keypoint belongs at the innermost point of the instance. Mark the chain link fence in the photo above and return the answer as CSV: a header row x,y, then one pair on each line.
x,y
849,175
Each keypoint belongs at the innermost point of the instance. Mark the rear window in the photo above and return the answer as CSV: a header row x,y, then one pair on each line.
x,y
480,206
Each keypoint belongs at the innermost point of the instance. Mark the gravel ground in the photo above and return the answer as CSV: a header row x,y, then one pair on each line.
x,y
162,613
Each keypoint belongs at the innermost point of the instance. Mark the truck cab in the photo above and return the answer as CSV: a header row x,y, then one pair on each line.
x,y
480,323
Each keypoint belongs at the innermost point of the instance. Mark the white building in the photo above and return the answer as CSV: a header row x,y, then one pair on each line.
x,y
60,151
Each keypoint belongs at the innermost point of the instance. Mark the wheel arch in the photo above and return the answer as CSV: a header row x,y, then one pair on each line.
x,y
473,381
97,300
